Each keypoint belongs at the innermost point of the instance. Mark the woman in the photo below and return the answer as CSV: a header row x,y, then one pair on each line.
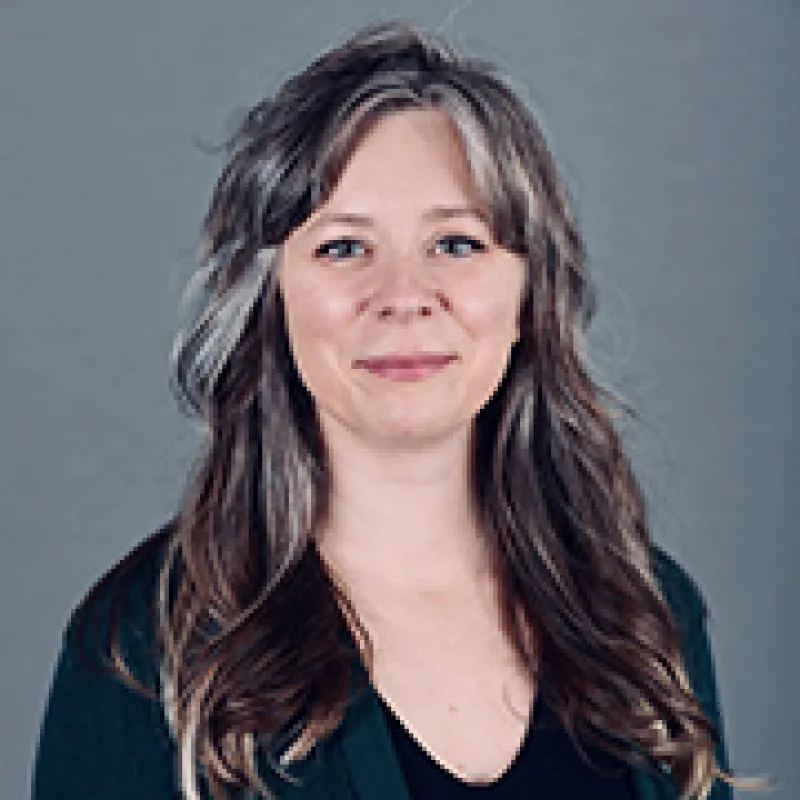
x,y
413,560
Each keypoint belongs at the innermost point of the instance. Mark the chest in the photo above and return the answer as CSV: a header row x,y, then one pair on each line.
x,y
450,675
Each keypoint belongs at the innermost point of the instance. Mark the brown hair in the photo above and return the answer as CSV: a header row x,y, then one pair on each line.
x,y
249,618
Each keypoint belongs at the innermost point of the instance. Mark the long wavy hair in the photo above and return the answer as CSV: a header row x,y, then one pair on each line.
x,y
250,621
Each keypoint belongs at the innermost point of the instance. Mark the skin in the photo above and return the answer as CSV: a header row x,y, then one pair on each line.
x,y
399,450
402,533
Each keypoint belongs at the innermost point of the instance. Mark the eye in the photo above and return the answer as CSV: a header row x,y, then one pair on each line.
x,y
461,245
337,249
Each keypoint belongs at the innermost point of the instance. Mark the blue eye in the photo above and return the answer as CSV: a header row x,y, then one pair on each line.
x,y
461,241
343,249
336,247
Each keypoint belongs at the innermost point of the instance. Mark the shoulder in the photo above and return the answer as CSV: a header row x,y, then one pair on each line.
x,y
123,599
99,737
678,586
689,608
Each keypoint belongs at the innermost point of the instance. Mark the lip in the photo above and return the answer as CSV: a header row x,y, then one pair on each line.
x,y
407,361
409,367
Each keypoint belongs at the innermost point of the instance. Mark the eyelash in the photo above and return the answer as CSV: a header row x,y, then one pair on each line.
x,y
323,250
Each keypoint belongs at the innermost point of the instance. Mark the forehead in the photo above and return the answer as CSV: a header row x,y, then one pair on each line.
x,y
407,155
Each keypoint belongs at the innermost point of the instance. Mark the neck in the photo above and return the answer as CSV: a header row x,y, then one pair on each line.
x,y
403,518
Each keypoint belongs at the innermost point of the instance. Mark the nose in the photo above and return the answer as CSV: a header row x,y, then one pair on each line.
x,y
405,292
405,309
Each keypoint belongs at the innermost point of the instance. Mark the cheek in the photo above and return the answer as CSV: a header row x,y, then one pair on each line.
x,y
316,321
315,312
489,308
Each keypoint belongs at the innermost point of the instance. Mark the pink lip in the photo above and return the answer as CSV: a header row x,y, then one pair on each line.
x,y
407,369
410,361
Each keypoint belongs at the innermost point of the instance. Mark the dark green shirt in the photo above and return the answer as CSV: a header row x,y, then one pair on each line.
x,y
101,740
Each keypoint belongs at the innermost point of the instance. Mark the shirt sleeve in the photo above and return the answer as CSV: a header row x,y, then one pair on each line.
x,y
709,699
688,603
99,739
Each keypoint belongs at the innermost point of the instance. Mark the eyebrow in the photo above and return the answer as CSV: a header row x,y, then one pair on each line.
x,y
435,212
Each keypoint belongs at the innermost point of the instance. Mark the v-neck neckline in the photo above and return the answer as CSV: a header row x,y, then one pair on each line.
x,y
375,769
394,720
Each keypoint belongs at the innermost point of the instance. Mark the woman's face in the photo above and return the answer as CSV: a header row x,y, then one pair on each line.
x,y
381,269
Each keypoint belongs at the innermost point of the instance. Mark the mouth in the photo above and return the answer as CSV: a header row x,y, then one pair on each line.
x,y
407,361
407,368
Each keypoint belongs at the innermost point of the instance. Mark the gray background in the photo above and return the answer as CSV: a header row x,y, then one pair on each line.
x,y
676,125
